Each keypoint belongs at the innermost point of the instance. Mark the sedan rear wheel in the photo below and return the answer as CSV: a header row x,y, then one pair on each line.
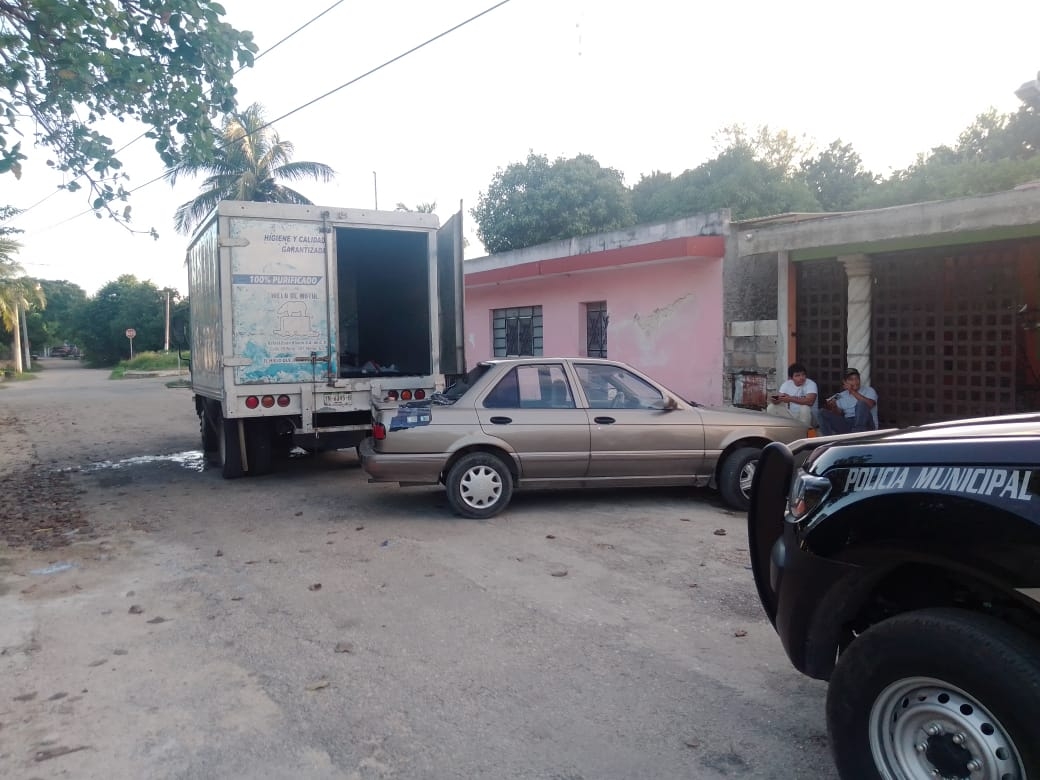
x,y
479,485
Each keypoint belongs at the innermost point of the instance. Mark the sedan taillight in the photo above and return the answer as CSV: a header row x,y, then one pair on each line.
x,y
378,431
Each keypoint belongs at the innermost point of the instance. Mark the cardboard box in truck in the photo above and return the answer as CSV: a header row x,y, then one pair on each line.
x,y
301,316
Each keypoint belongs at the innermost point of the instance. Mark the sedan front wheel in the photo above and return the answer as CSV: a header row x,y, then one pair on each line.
x,y
479,485
736,475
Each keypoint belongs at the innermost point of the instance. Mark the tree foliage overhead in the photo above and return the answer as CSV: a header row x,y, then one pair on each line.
x,y
537,201
249,163
69,64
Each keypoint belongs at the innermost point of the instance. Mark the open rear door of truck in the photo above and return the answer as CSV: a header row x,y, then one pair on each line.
x,y
451,296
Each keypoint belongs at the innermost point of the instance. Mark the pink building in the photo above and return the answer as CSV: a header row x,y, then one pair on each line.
x,y
650,296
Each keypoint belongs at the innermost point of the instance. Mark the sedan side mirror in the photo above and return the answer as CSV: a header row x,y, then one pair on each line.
x,y
665,404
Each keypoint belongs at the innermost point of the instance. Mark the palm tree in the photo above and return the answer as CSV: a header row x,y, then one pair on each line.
x,y
247,165
16,294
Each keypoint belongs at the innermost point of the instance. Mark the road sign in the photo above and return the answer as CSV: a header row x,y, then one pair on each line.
x,y
130,333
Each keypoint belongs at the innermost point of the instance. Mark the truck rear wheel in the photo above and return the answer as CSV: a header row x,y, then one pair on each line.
x,y
936,693
230,449
260,446
210,438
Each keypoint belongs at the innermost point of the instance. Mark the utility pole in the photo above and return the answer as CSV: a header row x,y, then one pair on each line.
x,y
375,189
166,347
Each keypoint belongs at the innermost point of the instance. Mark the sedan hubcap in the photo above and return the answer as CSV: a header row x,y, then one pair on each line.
x,y
925,728
747,476
480,487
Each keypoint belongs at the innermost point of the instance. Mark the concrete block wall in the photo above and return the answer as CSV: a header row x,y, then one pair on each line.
x,y
749,348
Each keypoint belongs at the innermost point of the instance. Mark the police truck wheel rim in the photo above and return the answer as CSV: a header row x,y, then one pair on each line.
x,y
924,728
480,487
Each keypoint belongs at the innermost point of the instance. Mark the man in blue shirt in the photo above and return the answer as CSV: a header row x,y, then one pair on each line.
x,y
852,410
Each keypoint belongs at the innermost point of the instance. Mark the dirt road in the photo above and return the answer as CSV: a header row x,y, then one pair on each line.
x,y
308,624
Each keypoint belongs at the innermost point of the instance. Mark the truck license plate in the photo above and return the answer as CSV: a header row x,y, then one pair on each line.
x,y
337,399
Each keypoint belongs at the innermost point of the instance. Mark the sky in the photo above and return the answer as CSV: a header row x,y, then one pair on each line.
x,y
640,86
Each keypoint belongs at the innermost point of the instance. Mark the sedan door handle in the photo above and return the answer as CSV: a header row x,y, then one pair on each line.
x,y
501,420
604,420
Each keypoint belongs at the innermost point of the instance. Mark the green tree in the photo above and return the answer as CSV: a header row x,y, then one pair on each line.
x,y
56,324
421,208
537,201
836,177
121,304
735,179
69,64
780,149
17,294
248,164
996,152
652,197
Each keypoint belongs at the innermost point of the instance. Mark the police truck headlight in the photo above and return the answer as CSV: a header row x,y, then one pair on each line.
x,y
807,493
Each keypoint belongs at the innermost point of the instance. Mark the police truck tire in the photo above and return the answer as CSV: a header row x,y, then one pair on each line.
x,y
736,475
230,450
479,485
926,693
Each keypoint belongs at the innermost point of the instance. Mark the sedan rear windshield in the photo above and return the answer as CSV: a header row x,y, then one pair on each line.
x,y
460,388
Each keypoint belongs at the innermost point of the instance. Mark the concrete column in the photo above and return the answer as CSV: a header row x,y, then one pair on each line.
x,y
783,315
861,286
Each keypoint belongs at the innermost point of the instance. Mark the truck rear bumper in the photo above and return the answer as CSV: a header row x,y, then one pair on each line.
x,y
405,468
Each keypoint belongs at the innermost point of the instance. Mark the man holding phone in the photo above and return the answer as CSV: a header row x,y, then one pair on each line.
x,y
853,410
796,397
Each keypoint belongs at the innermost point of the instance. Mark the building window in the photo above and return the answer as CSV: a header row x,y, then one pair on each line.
x,y
596,319
517,332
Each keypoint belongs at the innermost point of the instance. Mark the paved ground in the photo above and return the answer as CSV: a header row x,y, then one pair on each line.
x,y
308,624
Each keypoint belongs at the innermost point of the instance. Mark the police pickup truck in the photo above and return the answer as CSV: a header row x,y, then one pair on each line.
x,y
903,567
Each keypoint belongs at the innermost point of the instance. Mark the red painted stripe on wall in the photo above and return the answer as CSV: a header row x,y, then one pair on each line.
x,y
674,248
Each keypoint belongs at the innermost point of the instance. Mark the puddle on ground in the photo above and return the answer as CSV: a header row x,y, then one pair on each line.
x,y
54,568
192,460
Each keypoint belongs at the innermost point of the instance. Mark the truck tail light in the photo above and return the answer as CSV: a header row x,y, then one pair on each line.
x,y
420,394
252,402
283,401
267,401
391,395
406,395
378,431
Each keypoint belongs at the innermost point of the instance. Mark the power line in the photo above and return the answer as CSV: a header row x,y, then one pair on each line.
x,y
132,141
309,103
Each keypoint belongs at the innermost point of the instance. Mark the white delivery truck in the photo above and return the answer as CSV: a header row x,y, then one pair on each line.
x,y
301,316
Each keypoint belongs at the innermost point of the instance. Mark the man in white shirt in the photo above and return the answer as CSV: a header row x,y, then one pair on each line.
x,y
852,410
796,397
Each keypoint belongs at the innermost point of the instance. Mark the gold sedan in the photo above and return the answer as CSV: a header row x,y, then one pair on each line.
x,y
564,422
